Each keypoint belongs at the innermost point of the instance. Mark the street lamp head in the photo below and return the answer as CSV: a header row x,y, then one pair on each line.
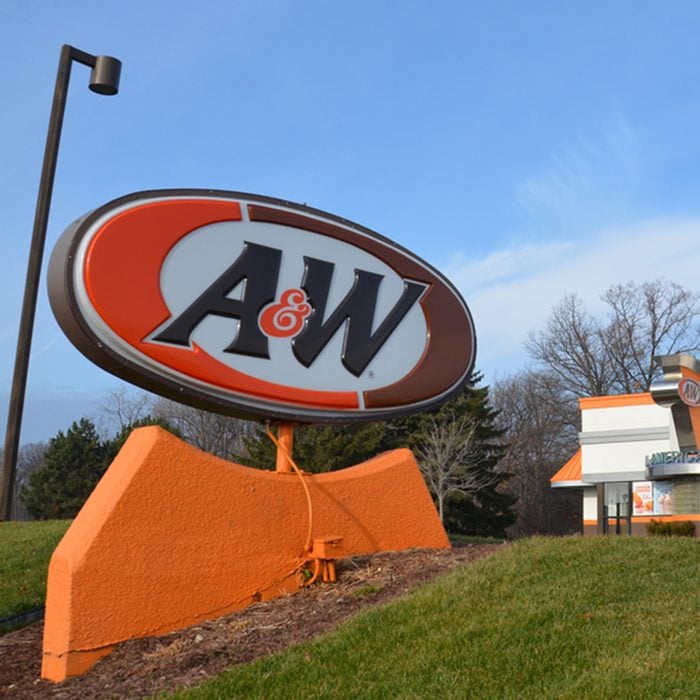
x,y
104,78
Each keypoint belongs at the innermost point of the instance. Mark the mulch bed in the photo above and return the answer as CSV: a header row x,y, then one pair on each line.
x,y
142,667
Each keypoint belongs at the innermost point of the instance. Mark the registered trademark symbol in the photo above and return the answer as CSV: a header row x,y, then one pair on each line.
x,y
370,374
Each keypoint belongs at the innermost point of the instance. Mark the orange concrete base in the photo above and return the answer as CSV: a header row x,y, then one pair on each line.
x,y
172,536
73,663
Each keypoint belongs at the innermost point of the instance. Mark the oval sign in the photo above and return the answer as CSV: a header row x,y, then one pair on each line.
x,y
257,307
689,391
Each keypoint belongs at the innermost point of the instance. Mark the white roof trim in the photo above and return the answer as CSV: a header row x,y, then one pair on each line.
x,y
599,437
570,484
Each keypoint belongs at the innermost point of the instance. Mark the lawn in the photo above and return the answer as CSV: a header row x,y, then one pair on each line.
x,y
547,618
25,550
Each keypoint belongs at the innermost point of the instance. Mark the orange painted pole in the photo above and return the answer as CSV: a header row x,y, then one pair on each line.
x,y
285,437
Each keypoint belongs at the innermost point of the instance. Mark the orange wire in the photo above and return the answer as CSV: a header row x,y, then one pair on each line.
x,y
284,450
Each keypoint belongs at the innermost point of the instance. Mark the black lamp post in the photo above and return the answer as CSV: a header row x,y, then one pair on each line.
x,y
104,80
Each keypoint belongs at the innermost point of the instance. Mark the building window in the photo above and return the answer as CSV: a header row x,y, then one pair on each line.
x,y
686,495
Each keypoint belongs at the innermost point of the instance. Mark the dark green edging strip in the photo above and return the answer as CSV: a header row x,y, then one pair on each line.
x,y
21,619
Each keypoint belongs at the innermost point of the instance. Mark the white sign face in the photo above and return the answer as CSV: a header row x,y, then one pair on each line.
x,y
253,306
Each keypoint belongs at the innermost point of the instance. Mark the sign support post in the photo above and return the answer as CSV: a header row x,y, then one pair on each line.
x,y
285,436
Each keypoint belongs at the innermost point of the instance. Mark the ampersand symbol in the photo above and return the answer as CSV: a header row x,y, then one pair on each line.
x,y
285,318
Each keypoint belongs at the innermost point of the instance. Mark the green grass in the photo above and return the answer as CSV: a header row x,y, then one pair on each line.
x,y
25,550
475,539
546,618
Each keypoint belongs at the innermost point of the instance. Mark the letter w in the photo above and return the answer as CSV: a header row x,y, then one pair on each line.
x,y
357,309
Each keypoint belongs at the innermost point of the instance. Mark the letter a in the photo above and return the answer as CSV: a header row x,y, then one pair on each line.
x,y
259,266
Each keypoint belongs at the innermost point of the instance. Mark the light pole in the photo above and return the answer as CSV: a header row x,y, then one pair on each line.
x,y
104,80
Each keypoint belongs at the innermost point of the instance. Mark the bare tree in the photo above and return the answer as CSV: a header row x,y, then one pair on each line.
x,y
572,347
121,407
541,420
29,459
595,357
211,432
647,320
448,454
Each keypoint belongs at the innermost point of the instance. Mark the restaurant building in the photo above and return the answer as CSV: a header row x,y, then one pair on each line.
x,y
638,458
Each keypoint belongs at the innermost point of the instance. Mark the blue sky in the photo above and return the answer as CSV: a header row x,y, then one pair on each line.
x,y
527,149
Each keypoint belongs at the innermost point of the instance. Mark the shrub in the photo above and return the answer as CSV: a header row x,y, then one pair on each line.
x,y
661,528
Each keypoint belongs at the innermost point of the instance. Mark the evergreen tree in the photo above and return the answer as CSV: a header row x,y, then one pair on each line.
x,y
318,448
491,510
488,511
112,447
73,464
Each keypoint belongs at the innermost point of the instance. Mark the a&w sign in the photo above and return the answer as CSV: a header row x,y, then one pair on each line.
x,y
257,307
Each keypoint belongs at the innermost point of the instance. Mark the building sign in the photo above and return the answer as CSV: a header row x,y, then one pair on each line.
x,y
689,391
674,463
257,307
675,457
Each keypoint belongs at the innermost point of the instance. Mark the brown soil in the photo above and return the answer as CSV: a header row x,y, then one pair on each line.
x,y
142,667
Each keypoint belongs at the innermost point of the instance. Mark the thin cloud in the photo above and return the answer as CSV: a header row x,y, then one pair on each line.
x,y
504,265
507,307
43,349
590,179
5,378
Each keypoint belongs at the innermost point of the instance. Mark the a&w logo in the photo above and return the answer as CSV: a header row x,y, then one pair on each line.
x,y
249,305
303,313
689,391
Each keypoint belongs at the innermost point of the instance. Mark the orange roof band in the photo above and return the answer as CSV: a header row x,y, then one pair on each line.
x,y
615,401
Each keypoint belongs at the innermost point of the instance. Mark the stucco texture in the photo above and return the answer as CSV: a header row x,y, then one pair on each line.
x,y
172,536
